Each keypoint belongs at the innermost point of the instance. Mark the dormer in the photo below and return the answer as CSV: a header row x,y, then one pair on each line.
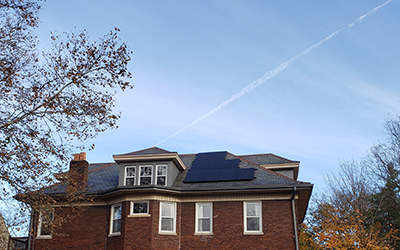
x,y
150,167
275,163
290,170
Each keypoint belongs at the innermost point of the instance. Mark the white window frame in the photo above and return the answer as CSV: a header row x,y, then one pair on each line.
x,y
198,217
113,206
134,178
173,231
259,203
139,214
140,175
166,169
39,228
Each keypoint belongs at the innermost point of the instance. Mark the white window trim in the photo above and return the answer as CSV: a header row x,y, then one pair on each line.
x,y
245,217
132,214
134,178
197,232
173,216
151,176
166,175
39,228
112,220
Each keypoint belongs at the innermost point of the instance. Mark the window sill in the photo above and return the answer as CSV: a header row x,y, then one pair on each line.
x,y
167,233
114,234
253,233
204,233
138,215
44,237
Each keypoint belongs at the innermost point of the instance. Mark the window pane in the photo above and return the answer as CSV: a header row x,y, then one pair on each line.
x,y
205,211
253,209
117,212
253,224
130,171
161,170
116,226
130,181
167,210
167,224
46,220
145,170
204,225
161,180
140,208
145,181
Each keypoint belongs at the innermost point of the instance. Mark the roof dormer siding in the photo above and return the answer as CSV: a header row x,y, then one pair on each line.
x,y
156,173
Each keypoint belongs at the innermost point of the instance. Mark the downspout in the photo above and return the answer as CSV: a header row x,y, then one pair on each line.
x,y
31,231
107,226
296,237
180,224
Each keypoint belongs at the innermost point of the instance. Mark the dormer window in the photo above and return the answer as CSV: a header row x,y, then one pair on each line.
x,y
161,175
145,175
130,175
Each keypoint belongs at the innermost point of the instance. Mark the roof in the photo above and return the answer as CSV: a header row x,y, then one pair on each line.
x,y
104,177
264,159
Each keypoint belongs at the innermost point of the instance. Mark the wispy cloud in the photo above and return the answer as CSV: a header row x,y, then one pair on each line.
x,y
272,73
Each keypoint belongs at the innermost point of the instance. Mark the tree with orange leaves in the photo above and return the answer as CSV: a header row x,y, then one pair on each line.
x,y
346,217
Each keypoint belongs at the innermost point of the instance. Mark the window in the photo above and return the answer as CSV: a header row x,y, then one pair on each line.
x,y
130,175
45,223
139,207
115,225
252,217
162,175
167,217
145,174
204,217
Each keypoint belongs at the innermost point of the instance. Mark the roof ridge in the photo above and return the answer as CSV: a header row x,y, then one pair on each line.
x,y
138,151
283,158
187,154
284,176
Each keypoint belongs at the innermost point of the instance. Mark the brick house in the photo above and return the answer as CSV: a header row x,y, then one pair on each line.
x,y
156,199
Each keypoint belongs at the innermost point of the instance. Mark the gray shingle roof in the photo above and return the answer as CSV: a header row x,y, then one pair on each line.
x,y
103,177
264,159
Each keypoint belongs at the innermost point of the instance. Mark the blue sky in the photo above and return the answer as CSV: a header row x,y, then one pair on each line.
x,y
190,56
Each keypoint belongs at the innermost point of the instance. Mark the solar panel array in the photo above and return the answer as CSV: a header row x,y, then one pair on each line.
x,y
213,167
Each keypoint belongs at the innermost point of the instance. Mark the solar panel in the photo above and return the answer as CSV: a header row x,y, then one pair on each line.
x,y
203,156
227,175
215,164
245,174
231,163
213,167
197,165
218,155
194,176
211,175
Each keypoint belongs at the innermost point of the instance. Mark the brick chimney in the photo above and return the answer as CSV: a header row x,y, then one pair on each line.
x,y
78,171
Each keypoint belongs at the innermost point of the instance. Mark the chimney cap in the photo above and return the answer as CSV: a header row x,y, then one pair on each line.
x,y
80,157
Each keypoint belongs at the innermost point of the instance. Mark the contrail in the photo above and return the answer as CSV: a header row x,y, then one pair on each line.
x,y
273,72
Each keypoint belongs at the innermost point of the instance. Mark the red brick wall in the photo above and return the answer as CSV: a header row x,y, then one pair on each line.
x,y
85,230
90,229
161,241
228,227
139,229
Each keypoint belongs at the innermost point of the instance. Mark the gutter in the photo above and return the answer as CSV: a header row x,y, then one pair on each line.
x,y
200,190
296,237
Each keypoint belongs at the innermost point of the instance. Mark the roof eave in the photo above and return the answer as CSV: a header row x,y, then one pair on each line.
x,y
152,157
